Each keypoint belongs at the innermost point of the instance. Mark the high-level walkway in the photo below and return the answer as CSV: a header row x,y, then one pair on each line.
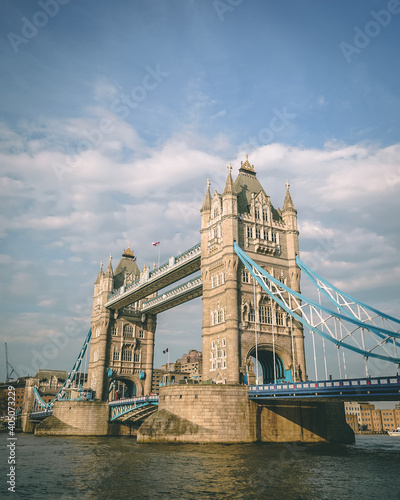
x,y
176,269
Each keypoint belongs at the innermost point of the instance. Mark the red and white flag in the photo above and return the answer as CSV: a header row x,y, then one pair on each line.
x,y
155,243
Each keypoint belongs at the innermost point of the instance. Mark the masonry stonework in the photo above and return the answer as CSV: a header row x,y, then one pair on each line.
x,y
76,418
122,341
235,312
224,414
201,414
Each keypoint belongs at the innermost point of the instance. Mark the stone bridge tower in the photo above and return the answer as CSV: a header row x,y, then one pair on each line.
x,y
233,308
122,342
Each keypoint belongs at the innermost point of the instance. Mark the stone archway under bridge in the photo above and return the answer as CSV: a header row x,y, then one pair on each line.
x,y
282,369
125,386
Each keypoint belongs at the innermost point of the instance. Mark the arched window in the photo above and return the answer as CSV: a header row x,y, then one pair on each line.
x,y
128,331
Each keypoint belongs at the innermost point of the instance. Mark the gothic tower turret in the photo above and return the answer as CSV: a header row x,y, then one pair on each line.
x,y
122,343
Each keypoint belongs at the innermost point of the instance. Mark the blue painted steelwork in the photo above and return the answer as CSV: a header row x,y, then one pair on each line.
x,y
67,384
124,406
38,399
262,275
315,278
73,372
344,302
339,389
40,415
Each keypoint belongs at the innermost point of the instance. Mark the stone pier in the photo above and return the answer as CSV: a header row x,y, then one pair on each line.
x,y
76,418
224,414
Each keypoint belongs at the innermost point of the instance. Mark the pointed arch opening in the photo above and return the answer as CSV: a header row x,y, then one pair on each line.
x,y
266,369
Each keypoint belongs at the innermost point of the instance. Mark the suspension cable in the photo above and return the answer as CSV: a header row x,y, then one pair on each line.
x,y
323,340
273,341
255,328
291,335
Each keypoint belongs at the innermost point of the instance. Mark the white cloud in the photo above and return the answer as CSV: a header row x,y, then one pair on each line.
x,y
123,191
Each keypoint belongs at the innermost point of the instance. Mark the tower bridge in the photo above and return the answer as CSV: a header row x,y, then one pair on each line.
x,y
254,323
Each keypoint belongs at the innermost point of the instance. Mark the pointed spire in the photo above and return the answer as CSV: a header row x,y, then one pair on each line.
x,y
207,198
109,271
100,275
288,203
229,186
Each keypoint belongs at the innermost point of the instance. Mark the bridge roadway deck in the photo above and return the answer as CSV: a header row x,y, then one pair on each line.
x,y
176,269
362,389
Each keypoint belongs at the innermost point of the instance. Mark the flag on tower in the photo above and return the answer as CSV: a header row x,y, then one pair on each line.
x,y
155,243
166,350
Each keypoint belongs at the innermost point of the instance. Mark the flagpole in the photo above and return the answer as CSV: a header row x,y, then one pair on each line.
x,y
159,246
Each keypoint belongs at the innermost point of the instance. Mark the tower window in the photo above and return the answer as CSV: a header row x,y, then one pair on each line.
x,y
265,314
249,232
257,212
265,215
258,233
245,276
128,331
126,355
114,330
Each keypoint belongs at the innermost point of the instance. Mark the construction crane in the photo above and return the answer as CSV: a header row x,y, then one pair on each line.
x,y
8,365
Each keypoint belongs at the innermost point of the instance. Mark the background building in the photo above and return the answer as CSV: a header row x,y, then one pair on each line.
x,y
364,417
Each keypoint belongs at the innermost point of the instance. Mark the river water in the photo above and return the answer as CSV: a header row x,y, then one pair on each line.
x,y
119,467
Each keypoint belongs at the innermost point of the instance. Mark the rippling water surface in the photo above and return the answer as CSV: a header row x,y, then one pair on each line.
x,y
112,468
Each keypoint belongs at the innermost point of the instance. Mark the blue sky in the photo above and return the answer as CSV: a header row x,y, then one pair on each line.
x,y
114,114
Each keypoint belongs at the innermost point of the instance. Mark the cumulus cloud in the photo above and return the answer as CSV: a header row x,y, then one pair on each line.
x,y
123,191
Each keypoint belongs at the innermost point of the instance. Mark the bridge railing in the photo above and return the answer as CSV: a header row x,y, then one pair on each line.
x,y
137,399
173,263
329,388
